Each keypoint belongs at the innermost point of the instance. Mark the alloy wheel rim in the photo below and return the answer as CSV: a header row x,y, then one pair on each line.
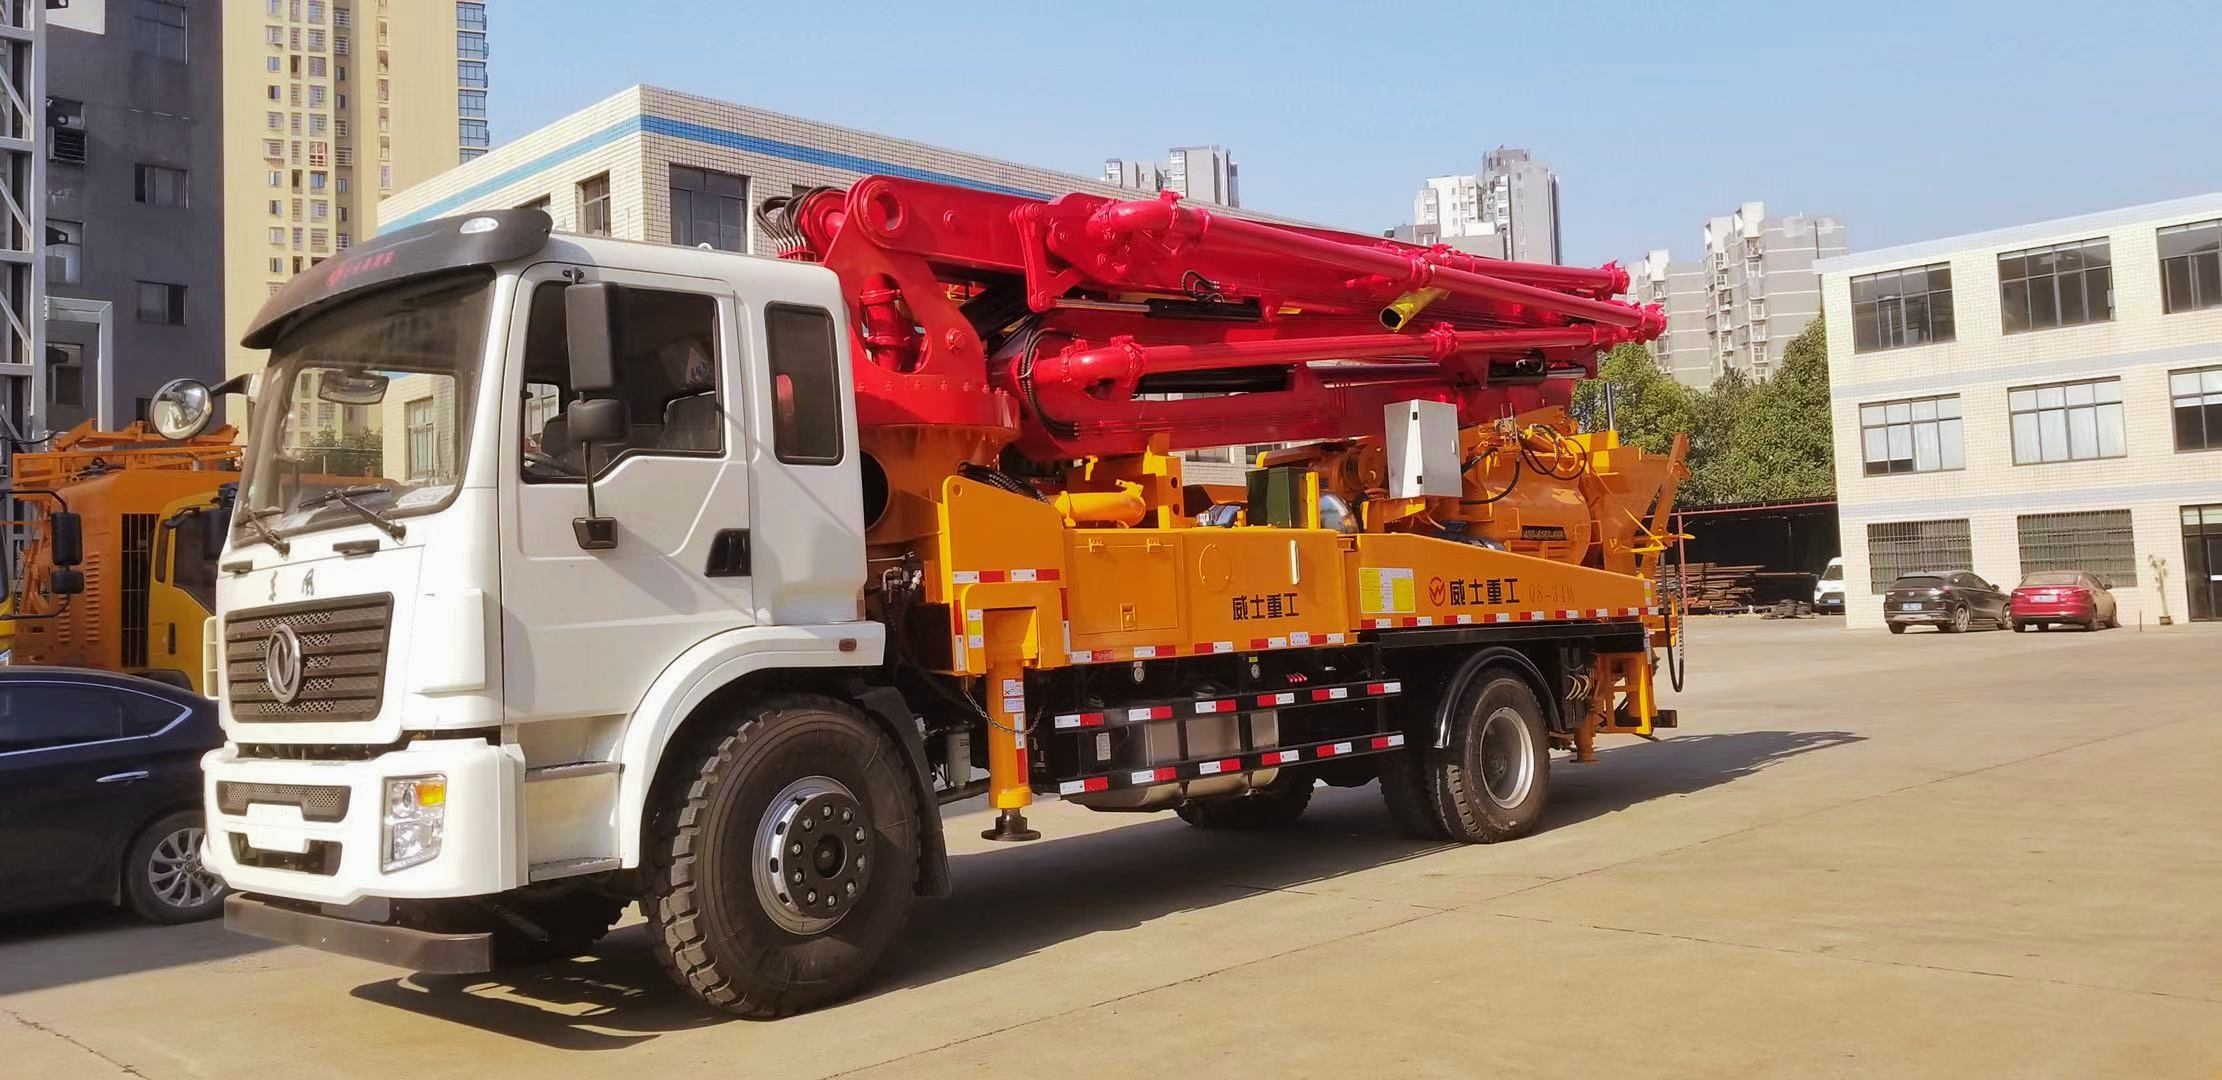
x,y
812,855
177,875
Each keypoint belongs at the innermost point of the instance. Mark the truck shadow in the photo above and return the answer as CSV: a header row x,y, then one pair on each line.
x,y
1011,903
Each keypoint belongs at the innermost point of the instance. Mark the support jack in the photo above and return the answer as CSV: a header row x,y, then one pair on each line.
x,y
1010,828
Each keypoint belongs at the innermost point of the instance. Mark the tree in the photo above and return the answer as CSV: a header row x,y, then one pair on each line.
x,y
1648,405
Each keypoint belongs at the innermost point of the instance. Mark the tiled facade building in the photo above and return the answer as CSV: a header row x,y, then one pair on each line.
x,y
2047,396
1751,294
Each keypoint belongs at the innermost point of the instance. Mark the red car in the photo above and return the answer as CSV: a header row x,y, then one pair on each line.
x,y
2063,597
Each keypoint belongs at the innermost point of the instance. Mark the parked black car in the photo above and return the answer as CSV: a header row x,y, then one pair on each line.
x,y
100,793
1950,600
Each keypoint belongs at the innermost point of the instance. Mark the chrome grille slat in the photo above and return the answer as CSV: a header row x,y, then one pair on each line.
x,y
343,649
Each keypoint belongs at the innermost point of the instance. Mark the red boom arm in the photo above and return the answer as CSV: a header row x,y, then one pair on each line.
x,y
1087,326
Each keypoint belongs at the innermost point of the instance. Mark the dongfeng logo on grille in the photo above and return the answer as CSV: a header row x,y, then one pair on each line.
x,y
282,669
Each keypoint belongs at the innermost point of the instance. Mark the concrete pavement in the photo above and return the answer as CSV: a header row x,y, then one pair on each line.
x,y
1990,854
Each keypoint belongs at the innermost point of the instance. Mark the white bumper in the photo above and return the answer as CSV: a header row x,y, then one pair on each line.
x,y
339,862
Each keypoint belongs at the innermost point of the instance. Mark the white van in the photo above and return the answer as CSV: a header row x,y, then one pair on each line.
x,y
1828,593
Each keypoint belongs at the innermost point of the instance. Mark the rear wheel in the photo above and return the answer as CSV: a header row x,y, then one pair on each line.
x,y
1959,621
2023,627
1493,780
1897,628
1278,803
1404,790
164,880
782,862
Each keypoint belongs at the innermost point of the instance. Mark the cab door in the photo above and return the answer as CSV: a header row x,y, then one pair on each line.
x,y
584,632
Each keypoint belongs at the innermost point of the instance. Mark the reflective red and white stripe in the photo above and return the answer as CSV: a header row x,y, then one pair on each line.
x,y
1268,759
996,577
1297,640
1495,617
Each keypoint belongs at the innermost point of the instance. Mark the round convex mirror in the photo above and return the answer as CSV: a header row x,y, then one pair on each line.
x,y
181,409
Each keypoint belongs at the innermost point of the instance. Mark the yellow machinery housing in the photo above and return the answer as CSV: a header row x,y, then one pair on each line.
x,y
154,514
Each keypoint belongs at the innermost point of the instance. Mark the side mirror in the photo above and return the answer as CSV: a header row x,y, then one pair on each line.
x,y
181,409
64,581
599,421
588,332
65,533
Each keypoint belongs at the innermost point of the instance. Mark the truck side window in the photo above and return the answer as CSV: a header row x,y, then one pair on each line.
x,y
806,385
667,370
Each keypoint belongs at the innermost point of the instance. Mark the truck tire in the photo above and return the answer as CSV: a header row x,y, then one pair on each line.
x,y
1404,790
1278,803
740,912
1493,780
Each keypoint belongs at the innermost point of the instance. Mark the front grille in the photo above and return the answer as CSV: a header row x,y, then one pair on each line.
x,y
343,653
317,802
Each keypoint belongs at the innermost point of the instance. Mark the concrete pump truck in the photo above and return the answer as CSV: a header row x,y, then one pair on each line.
x,y
706,579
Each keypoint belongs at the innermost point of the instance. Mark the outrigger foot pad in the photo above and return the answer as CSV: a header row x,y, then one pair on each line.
x,y
1010,828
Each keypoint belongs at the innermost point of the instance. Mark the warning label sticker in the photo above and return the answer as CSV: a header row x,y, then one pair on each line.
x,y
1385,590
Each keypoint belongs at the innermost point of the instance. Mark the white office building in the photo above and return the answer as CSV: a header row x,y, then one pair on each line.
x,y
2047,396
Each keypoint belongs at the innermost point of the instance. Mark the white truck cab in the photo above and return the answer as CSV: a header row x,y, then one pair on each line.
x,y
454,634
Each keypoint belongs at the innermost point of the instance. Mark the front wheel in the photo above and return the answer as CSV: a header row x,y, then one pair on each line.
x,y
164,879
1493,780
783,860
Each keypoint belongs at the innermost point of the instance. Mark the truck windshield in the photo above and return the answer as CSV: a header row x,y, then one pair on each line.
x,y
372,399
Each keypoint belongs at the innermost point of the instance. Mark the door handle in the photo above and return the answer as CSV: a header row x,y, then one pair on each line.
x,y
124,777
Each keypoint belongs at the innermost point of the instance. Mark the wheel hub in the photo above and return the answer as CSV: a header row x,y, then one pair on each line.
x,y
813,855
1507,761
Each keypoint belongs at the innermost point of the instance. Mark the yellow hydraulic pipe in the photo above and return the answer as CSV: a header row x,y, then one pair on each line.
x,y
1122,507
1400,311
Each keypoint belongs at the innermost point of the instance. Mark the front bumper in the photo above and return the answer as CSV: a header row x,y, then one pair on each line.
x,y
274,850
416,950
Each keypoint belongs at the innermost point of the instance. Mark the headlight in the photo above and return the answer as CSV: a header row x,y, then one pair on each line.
x,y
416,816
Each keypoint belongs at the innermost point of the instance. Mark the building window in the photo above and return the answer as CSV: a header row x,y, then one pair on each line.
x,y
299,235
319,154
1916,435
2097,542
2191,266
316,181
277,266
472,103
277,236
470,154
2075,421
157,185
65,374
316,11
2061,285
65,251
271,65
276,121
473,133
470,16
541,204
341,240
2196,398
273,88
316,97
424,444
470,73
316,41
594,205
470,45
158,28
1904,547
320,210
316,67
709,208
342,18
275,35
1901,308
317,123
385,177
161,303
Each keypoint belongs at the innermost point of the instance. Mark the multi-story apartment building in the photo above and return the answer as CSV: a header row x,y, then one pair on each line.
x,y
2042,397
1509,210
1204,174
331,106
1738,307
134,205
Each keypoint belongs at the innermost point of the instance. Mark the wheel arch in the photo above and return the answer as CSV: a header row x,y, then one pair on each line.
x,y
1475,666
707,680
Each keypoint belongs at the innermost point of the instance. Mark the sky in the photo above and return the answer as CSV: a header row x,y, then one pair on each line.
x,y
1908,121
